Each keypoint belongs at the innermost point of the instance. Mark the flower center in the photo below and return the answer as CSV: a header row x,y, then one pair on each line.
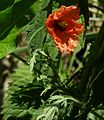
x,y
60,25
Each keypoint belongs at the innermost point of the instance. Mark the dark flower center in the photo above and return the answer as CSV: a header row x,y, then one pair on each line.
x,y
60,25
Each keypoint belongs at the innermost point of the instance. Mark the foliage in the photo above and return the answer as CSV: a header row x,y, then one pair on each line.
x,y
13,18
50,85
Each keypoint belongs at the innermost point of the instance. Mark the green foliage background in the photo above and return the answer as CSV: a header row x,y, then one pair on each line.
x,y
49,86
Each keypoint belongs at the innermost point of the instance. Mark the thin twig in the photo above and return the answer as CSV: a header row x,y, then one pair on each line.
x,y
20,58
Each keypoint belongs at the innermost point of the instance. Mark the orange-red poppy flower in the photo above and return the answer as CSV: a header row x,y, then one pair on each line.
x,y
62,25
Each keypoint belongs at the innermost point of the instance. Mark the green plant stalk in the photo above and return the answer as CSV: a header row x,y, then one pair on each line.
x,y
85,76
96,51
83,4
18,51
71,62
20,58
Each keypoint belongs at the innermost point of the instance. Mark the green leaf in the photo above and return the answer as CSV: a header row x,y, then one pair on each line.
x,y
56,99
50,48
81,42
37,31
39,5
49,113
4,4
16,15
8,44
22,90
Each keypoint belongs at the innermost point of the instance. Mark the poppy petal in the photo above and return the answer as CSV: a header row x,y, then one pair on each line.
x,y
64,28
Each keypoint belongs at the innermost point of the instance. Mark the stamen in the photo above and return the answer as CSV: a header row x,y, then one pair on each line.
x,y
60,25
63,24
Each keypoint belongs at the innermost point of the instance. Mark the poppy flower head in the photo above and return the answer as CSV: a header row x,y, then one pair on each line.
x,y
63,27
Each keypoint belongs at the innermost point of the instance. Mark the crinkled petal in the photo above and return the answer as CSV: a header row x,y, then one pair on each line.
x,y
74,27
66,46
49,24
63,28
71,12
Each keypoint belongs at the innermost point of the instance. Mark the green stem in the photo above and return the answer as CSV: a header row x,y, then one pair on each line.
x,y
71,62
19,50
52,65
96,51
36,33
20,58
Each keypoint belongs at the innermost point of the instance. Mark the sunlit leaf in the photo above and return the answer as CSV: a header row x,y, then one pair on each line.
x,y
17,14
